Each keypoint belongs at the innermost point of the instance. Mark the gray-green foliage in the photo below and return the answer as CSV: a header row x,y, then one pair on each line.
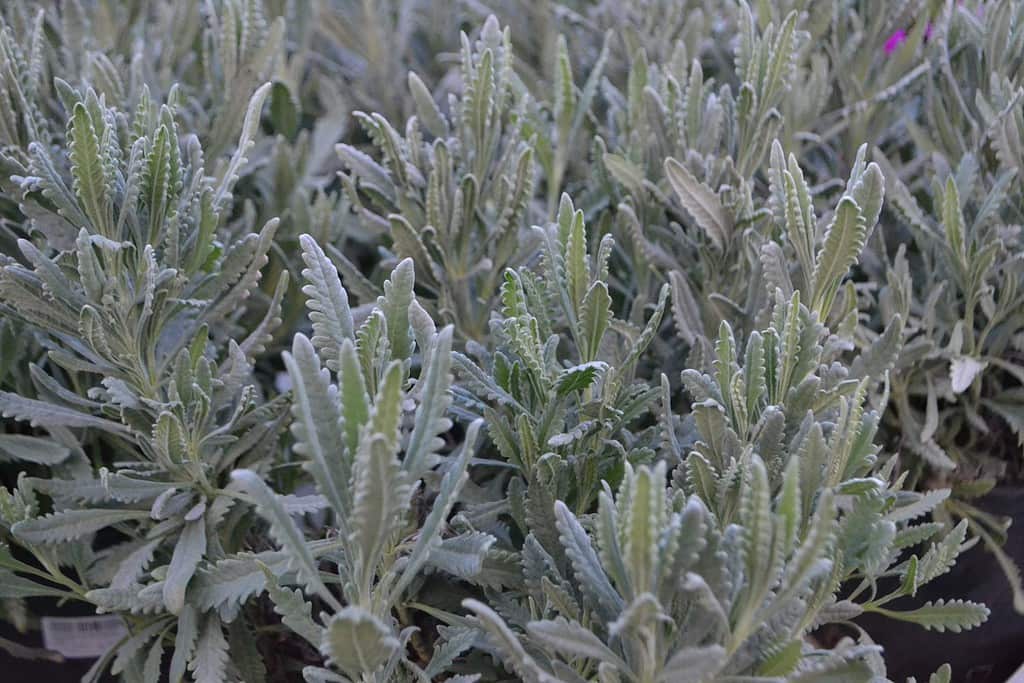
x,y
564,420
369,435
724,572
135,297
567,356
935,295
219,55
457,205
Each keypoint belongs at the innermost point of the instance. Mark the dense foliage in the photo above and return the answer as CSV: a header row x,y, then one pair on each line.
x,y
557,342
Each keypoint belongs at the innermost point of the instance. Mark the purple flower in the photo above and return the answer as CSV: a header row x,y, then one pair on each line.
x,y
894,41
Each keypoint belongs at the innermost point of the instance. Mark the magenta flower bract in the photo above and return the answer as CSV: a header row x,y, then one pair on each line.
x,y
894,41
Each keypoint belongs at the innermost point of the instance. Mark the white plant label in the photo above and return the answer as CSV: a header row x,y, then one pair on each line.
x,y
82,637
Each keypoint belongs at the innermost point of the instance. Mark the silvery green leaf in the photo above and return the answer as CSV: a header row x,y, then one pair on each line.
x,y
953,222
643,518
386,414
316,674
398,294
624,171
434,399
69,525
942,675
701,202
922,504
132,648
586,565
44,414
841,610
327,302
238,292
15,586
867,189
941,615
594,315
693,664
573,640
684,308
911,535
188,551
650,329
430,532
152,667
799,214
423,327
380,495
427,109
184,643
758,534
284,531
261,335
368,170
245,142
810,557
87,169
687,538
210,659
301,505
457,639
881,355
32,449
461,555
317,423
776,269
229,582
606,673
357,642
579,377
294,610
156,183
355,403
942,555
132,566
844,240
515,656
932,453
640,614
465,678
835,670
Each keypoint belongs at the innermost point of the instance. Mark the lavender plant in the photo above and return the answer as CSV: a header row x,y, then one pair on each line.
x,y
131,312
622,358
456,206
